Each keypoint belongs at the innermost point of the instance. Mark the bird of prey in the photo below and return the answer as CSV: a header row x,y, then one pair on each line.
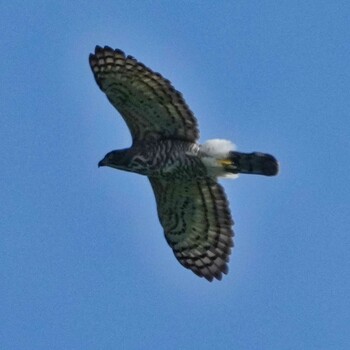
x,y
192,206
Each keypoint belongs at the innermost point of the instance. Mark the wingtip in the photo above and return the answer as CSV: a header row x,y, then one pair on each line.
x,y
98,48
106,48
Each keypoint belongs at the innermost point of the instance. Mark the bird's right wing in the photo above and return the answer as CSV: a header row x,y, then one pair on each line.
x,y
149,104
197,224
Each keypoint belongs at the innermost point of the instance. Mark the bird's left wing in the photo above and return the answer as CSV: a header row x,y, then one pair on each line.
x,y
197,224
149,104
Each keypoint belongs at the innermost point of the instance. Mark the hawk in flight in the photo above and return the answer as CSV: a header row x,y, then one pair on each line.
x,y
192,205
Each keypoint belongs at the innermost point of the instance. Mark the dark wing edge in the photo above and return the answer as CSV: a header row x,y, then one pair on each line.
x,y
149,104
197,224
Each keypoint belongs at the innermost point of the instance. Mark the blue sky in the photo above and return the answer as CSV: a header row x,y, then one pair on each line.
x,y
84,264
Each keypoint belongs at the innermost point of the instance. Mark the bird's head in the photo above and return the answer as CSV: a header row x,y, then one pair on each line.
x,y
115,159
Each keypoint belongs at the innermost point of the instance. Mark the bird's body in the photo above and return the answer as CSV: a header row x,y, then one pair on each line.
x,y
176,159
192,206
167,159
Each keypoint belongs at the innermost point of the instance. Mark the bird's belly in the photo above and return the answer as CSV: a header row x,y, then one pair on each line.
x,y
169,159
180,169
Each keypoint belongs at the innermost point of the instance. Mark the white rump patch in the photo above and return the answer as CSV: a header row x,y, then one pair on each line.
x,y
214,150
218,148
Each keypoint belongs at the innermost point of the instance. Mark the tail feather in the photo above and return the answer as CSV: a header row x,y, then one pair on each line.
x,y
251,163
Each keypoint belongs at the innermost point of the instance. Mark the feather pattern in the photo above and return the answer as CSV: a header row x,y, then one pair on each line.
x,y
197,224
149,104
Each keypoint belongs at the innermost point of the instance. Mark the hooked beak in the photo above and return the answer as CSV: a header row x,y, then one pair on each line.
x,y
102,163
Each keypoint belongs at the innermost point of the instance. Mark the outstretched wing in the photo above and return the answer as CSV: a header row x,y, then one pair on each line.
x,y
149,104
197,224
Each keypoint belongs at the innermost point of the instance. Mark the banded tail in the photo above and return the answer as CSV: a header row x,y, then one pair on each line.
x,y
250,163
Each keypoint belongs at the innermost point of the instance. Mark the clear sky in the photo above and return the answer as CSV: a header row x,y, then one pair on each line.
x,y
83,260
